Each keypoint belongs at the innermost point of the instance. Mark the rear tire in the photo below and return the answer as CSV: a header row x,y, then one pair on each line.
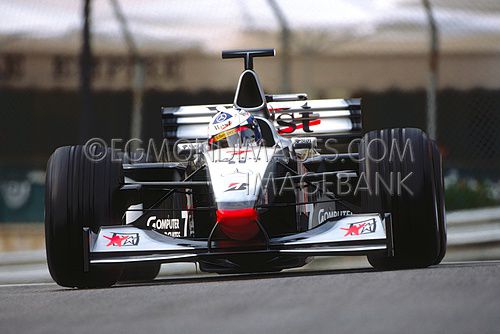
x,y
417,212
438,172
79,193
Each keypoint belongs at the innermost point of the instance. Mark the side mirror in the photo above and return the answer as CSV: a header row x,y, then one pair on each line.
x,y
187,150
304,143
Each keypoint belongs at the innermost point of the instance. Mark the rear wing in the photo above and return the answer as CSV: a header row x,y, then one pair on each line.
x,y
331,118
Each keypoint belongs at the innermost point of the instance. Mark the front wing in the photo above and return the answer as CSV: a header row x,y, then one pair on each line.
x,y
358,234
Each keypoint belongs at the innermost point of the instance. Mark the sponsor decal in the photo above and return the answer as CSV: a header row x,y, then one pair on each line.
x,y
222,117
365,227
324,215
168,226
288,123
224,134
122,239
235,186
220,127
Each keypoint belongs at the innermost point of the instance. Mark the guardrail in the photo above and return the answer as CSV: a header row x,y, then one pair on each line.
x,y
471,227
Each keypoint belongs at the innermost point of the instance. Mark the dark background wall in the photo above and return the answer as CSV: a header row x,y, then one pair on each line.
x,y
34,123
468,124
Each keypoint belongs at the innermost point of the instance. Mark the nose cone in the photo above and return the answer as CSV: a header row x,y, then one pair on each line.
x,y
240,224
236,178
236,175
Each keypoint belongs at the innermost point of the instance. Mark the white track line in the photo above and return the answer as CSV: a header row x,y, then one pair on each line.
x,y
25,284
472,262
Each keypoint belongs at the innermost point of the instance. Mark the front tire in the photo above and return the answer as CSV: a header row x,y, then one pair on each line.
x,y
417,208
79,193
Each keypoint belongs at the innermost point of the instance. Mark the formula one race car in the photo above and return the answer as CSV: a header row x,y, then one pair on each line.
x,y
260,185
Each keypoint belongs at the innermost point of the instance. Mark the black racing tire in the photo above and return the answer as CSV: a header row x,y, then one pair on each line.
x,y
79,193
140,272
415,209
439,179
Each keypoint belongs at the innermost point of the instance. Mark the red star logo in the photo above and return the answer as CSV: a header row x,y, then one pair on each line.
x,y
116,240
353,229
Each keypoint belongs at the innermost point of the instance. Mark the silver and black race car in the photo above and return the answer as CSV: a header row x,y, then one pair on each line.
x,y
313,184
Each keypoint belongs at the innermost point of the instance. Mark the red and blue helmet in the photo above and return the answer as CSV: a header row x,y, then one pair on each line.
x,y
231,127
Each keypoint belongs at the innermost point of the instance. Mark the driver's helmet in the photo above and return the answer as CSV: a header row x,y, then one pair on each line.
x,y
231,127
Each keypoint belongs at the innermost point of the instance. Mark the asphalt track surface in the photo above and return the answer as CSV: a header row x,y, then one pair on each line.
x,y
449,298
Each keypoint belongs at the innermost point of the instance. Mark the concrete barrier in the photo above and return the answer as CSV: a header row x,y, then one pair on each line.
x,y
21,237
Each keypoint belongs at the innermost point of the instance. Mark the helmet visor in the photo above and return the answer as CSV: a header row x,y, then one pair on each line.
x,y
240,136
